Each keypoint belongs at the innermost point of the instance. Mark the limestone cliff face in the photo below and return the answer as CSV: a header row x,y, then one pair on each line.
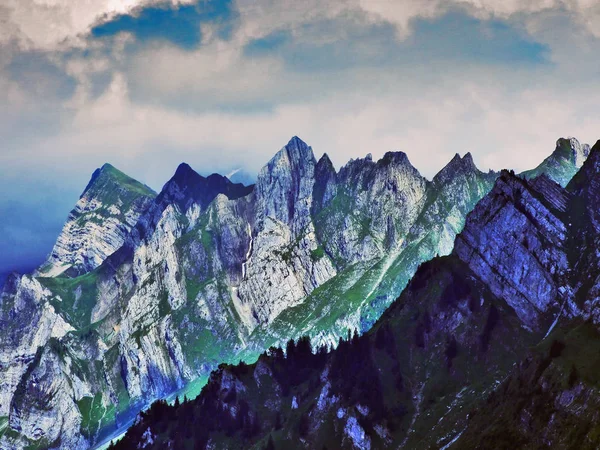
x,y
495,344
127,319
285,263
452,194
98,225
585,220
160,292
27,321
374,205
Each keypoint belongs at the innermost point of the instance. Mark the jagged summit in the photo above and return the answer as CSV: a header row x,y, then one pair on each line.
x,y
297,148
295,158
571,150
467,318
363,171
325,161
468,158
457,167
325,186
109,168
106,212
394,158
187,187
108,177
296,153
568,156
203,280
295,141
184,171
588,171
284,185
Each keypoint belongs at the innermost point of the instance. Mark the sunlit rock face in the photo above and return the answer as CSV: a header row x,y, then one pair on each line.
x,y
144,293
506,322
515,240
97,227
281,269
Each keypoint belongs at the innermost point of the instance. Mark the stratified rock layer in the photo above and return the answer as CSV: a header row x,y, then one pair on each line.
x,y
494,346
156,291
97,227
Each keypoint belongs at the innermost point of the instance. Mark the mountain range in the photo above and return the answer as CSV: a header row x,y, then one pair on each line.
x,y
493,346
145,294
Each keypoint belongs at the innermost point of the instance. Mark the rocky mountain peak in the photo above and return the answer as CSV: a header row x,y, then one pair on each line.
x,y
298,152
324,169
296,142
571,150
398,158
456,167
568,156
106,212
468,159
187,187
183,173
586,185
325,163
284,186
295,158
107,178
590,168
325,183
309,251
361,173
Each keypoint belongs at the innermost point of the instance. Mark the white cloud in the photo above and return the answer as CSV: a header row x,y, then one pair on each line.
x,y
501,128
47,24
586,13
219,110
505,116
50,24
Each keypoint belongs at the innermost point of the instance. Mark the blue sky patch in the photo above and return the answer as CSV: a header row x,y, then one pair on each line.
x,y
182,26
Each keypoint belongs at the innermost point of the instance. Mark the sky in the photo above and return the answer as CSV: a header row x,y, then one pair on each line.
x,y
223,85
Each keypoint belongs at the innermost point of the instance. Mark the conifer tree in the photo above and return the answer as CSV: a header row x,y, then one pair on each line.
x,y
270,444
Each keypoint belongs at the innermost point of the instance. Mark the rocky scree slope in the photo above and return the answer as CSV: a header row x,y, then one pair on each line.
x,y
213,271
450,340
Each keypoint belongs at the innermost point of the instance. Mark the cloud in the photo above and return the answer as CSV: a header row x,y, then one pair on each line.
x,y
453,37
37,74
583,13
50,24
146,84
